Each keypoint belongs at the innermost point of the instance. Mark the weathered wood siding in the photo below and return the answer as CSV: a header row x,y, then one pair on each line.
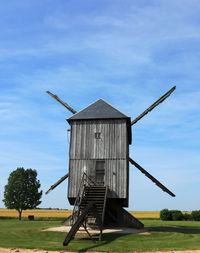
x,y
112,147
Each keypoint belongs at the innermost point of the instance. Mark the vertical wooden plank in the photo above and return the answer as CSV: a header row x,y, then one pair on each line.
x,y
87,145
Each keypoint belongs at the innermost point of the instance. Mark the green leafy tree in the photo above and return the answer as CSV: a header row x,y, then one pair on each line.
x,y
22,191
165,214
196,215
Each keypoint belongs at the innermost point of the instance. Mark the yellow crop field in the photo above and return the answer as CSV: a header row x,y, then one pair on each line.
x,y
145,214
53,213
38,213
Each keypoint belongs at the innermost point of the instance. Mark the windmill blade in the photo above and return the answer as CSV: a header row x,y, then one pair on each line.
x,y
57,183
62,103
152,178
160,100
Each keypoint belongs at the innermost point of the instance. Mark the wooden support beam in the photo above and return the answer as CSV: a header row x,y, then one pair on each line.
x,y
77,224
85,227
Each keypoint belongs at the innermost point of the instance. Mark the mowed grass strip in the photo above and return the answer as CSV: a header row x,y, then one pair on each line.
x,y
169,235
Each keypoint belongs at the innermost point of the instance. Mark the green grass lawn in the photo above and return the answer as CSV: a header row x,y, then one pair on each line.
x,y
164,235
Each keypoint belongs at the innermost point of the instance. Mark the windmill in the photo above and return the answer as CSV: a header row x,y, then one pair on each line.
x,y
98,185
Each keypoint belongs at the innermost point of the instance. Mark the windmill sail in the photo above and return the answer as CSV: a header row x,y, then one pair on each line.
x,y
152,178
57,183
61,102
160,100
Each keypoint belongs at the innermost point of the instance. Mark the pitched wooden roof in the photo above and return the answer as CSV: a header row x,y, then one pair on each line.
x,y
102,110
99,110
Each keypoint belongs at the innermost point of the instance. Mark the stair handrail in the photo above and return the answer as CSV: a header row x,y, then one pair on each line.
x,y
88,180
76,212
104,204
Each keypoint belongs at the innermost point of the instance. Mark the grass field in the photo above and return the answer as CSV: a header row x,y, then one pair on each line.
x,y
168,235
43,213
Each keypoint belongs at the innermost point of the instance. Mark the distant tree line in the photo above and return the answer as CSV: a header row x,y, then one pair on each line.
x,y
166,214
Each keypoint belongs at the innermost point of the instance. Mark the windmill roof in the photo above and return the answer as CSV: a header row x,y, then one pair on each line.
x,y
99,110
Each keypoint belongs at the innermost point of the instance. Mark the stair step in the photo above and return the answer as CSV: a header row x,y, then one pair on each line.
x,y
93,200
86,202
99,190
95,190
96,194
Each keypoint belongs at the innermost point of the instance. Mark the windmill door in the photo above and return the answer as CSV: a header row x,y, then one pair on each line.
x,y
100,172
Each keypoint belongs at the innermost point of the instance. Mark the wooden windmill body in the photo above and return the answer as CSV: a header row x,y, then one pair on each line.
x,y
99,146
98,177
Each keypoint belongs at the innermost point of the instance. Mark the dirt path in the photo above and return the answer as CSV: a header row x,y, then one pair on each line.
x,y
19,250
105,231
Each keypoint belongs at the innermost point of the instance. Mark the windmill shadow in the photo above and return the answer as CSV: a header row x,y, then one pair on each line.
x,y
110,237
106,239
176,229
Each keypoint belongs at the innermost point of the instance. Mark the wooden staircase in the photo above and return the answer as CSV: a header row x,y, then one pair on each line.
x,y
91,211
98,195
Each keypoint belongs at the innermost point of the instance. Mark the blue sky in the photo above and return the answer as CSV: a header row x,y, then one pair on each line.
x,y
124,51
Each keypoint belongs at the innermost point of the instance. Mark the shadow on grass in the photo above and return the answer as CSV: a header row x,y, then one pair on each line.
x,y
106,239
109,238
175,229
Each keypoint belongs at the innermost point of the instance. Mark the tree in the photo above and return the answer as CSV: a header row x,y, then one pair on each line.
x,y
22,191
